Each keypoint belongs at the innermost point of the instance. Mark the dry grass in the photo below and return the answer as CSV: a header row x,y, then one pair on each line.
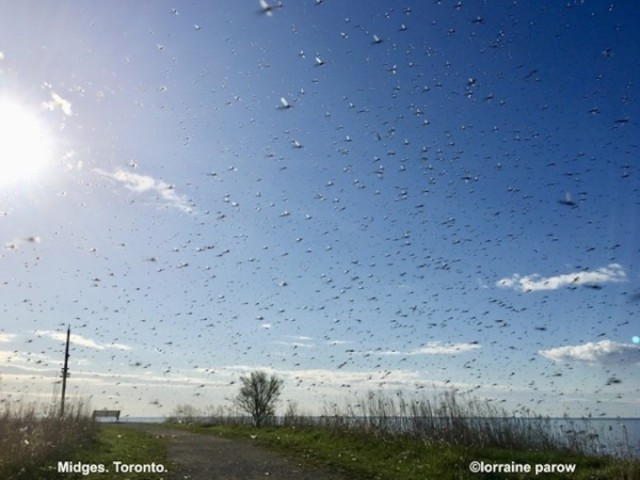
x,y
456,420
31,437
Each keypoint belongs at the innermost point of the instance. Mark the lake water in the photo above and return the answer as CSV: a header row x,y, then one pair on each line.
x,y
143,419
617,436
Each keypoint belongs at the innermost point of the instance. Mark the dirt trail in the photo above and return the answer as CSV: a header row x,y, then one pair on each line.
x,y
206,457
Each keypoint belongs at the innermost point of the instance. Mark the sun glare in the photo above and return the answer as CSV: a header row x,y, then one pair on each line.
x,y
25,144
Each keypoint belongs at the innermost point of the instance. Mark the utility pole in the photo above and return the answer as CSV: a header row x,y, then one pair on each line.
x,y
65,372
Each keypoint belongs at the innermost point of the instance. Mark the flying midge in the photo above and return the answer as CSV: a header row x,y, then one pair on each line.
x,y
284,104
267,8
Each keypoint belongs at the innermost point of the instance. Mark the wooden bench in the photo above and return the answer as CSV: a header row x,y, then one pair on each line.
x,y
106,414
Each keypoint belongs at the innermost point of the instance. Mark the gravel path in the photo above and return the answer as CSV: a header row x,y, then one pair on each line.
x,y
206,457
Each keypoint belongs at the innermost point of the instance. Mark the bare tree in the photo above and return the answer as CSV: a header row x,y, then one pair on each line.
x,y
259,395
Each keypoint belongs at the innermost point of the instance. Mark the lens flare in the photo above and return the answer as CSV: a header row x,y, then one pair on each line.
x,y
25,143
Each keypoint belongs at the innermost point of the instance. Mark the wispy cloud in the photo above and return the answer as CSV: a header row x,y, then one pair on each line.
x,y
7,337
531,283
295,341
293,344
15,361
145,183
605,352
338,378
301,338
367,380
435,348
438,348
17,243
82,341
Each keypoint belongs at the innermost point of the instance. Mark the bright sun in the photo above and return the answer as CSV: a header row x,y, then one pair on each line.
x,y
25,144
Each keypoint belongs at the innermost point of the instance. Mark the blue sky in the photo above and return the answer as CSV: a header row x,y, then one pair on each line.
x,y
352,195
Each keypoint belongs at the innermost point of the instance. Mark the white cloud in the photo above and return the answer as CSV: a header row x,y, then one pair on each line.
x,y
604,352
7,337
14,361
82,341
301,338
144,183
531,283
435,348
17,243
295,341
6,356
293,344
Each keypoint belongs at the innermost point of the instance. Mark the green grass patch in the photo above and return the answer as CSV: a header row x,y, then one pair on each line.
x,y
362,456
114,444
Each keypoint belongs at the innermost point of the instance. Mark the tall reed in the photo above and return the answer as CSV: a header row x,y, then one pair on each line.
x,y
455,419
449,418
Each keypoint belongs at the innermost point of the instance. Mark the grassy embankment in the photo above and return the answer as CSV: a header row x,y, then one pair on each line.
x,y
32,444
362,456
438,439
